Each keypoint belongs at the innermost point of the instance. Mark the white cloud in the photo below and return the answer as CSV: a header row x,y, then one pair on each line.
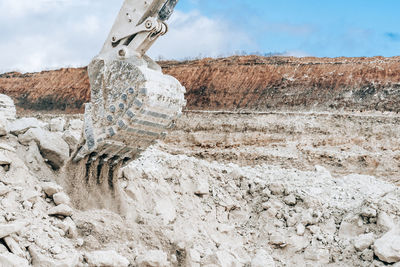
x,y
48,34
192,34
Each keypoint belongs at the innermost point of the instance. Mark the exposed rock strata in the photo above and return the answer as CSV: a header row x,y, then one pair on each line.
x,y
237,83
183,211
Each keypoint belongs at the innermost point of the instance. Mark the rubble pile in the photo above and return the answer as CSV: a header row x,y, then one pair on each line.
x,y
178,210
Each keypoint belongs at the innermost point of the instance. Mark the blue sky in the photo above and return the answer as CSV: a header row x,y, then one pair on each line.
x,y
312,27
49,34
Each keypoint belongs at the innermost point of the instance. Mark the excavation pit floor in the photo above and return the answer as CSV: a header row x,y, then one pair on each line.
x,y
223,189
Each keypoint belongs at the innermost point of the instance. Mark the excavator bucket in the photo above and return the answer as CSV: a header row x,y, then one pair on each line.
x,y
132,102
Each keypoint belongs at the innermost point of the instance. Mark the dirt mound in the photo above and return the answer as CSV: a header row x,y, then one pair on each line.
x,y
237,83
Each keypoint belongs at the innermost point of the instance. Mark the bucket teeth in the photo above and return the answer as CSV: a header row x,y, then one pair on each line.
x,y
130,109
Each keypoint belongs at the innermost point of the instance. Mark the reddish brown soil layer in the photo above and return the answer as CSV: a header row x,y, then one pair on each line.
x,y
237,83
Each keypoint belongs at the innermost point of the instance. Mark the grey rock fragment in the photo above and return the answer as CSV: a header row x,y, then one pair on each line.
x,y
61,210
51,188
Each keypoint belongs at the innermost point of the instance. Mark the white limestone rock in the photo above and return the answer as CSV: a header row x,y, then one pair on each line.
x,y
202,187
8,259
262,259
349,230
7,108
277,188
8,229
290,200
193,258
4,158
153,258
76,124
22,125
387,248
57,124
3,126
278,239
4,190
51,145
14,246
368,212
300,229
61,198
320,255
40,260
72,138
61,210
165,208
106,258
323,172
7,147
364,241
385,221
51,188
226,259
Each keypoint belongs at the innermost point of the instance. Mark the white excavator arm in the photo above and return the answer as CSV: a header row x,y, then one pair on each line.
x,y
132,102
137,26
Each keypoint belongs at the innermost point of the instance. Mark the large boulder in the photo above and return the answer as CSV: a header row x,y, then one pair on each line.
x,y
7,108
387,248
51,145
22,125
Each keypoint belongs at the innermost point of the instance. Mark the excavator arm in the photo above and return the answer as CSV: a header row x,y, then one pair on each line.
x,y
132,102
137,26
